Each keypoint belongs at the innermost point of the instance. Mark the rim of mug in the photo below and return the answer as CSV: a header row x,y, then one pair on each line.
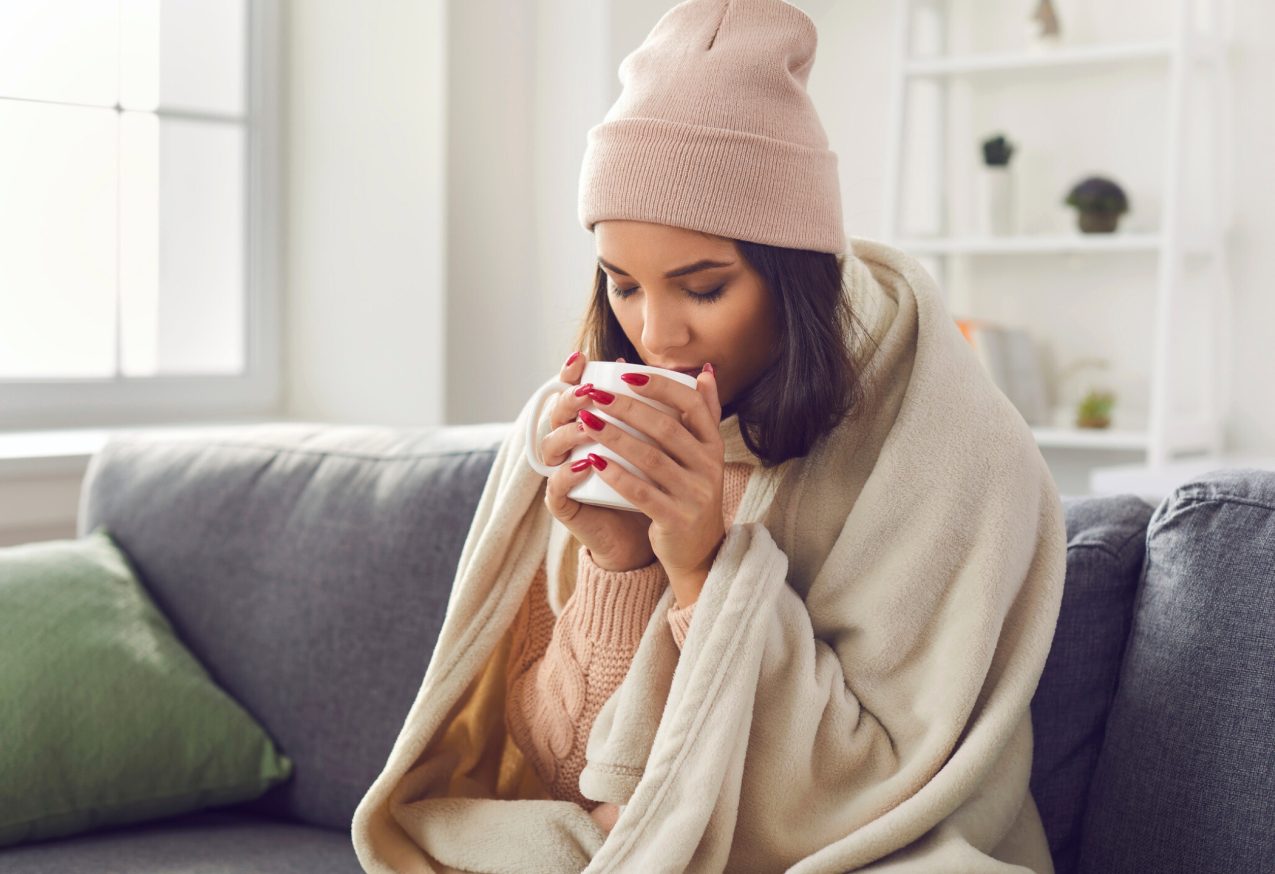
x,y
644,368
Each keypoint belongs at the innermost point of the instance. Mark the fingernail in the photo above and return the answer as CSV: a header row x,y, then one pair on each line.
x,y
579,426
580,465
583,390
598,461
621,361
635,378
591,420
571,359
602,397
708,366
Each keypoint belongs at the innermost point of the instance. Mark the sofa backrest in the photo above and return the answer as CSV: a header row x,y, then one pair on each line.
x,y
308,567
1186,778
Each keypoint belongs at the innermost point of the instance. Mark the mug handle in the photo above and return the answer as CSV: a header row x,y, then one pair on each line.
x,y
530,448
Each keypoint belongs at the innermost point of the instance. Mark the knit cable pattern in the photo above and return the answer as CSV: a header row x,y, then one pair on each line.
x,y
563,669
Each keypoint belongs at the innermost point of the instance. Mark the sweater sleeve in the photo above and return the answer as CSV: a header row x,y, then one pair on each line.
x,y
679,621
562,670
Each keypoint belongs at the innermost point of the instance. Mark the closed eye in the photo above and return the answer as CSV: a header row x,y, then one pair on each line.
x,y
698,297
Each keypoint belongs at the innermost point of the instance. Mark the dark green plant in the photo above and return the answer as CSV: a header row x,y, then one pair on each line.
x,y
997,151
1098,194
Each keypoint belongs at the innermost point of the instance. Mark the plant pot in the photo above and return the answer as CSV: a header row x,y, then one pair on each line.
x,y
1097,222
995,200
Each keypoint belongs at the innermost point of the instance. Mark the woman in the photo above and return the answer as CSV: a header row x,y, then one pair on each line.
x,y
836,674
770,325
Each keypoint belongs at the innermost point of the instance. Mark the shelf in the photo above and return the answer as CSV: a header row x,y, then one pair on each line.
x,y
1061,57
1089,438
1191,435
1200,42
1026,244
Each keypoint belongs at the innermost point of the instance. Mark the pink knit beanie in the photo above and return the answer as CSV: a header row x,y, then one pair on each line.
x,y
714,131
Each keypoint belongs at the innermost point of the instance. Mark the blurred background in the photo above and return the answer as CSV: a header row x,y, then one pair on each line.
x,y
217,211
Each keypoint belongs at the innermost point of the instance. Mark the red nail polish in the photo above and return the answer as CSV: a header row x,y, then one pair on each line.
x,y
598,461
591,420
635,378
583,390
602,397
580,465
571,358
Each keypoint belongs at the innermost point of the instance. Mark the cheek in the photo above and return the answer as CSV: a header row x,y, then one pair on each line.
x,y
630,324
752,328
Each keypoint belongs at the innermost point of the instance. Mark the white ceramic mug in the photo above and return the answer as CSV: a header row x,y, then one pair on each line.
x,y
606,376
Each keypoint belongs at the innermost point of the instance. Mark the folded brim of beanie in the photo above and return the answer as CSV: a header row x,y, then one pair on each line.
x,y
760,189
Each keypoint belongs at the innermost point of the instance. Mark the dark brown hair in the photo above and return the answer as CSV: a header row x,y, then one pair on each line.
x,y
815,382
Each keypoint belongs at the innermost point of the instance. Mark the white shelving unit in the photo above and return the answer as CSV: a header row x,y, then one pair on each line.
x,y
1199,44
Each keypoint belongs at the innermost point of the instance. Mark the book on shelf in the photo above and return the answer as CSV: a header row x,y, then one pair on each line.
x,y
1009,356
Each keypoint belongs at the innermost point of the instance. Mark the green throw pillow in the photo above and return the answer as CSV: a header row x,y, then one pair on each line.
x,y
106,717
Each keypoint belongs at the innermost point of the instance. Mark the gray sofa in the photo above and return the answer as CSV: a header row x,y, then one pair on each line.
x,y
308,567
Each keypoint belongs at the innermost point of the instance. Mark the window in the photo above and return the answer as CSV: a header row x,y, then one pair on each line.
x,y
137,211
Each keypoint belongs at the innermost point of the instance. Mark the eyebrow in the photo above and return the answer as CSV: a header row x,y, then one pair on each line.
x,y
703,264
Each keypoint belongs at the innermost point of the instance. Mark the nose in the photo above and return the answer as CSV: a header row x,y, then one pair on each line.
x,y
663,329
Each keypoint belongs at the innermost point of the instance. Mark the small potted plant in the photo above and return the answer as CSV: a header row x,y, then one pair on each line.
x,y
1099,203
1087,398
1094,409
996,192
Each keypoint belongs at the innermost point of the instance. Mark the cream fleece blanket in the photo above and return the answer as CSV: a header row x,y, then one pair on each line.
x,y
853,693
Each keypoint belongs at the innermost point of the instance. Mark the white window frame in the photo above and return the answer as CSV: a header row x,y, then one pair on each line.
x,y
123,400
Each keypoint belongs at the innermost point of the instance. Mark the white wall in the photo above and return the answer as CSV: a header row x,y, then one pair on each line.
x,y
571,95
365,210
532,78
1252,423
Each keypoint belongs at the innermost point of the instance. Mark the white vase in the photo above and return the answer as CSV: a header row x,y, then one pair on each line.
x,y
995,200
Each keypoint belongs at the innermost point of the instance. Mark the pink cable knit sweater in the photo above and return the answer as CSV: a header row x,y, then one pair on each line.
x,y
561,671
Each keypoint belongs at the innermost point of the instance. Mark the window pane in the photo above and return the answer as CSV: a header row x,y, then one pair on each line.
x,y
57,240
139,243
184,54
182,240
63,50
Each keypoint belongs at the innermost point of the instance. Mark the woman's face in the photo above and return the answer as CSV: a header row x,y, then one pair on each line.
x,y
661,306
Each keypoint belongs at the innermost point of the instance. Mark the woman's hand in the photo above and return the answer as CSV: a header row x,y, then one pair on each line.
x,y
616,539
605,815
685,465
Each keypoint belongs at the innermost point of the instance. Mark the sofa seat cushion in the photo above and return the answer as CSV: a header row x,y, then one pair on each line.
x,y
199,843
